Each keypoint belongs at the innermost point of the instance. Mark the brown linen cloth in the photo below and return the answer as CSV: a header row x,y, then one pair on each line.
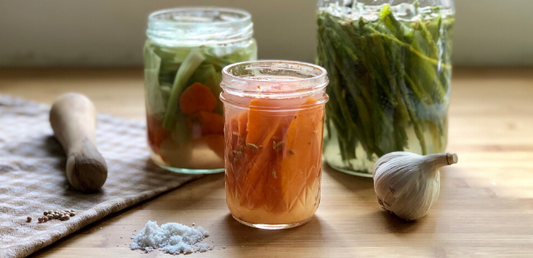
x,y
32,177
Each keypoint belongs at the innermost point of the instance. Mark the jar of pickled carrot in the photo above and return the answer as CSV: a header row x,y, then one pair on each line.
x,y
274,113
184,55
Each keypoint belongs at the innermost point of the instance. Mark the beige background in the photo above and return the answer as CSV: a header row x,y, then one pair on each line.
x,y
111,33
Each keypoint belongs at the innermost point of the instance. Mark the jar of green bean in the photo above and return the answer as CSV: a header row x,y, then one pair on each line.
x,y
389,65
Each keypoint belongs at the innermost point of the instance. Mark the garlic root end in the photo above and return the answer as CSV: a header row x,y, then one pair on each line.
x,y
452,158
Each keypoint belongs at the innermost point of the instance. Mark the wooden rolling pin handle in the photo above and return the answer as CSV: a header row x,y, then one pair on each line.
x,y
73,120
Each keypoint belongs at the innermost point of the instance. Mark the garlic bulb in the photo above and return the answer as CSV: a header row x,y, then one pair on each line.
x,y
407,184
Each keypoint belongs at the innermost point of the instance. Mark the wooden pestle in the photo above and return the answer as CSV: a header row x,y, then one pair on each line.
x,y
73,120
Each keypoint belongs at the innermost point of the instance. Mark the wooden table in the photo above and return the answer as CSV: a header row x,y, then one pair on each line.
x,y
485,208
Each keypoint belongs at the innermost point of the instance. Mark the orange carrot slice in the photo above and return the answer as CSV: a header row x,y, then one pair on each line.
x,y
211,123
196,98
156,133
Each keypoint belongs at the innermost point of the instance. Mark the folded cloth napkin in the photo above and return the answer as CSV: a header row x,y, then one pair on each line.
x,y
32,176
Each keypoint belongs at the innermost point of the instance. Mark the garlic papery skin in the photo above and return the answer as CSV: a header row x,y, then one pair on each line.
x,y
407,184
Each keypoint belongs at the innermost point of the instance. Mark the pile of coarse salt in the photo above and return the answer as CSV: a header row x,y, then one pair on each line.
x,y
172,238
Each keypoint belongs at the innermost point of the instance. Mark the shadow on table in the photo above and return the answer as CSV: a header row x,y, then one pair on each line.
x,y
351,182
364,192
396,225
195,194
254,238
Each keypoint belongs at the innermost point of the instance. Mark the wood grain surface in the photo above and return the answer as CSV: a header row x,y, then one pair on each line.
x,y
485,208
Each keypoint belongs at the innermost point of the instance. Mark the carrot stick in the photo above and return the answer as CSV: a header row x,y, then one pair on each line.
x,y
264,129
301,163
274,155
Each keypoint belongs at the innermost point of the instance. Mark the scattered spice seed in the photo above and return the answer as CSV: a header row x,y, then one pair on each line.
x,y
237,155
28,219
279,144
292,151
309,143
274,174
55,214
315,131
252,146
274,145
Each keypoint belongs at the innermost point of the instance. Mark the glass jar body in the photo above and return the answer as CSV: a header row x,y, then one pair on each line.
x,y
390,73
273,154
185,121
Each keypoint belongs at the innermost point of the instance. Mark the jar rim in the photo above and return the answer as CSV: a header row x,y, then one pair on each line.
x,y
245,15
279,78
403,10
199,25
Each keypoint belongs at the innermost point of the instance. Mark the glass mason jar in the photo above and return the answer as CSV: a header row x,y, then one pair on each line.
x,y
274,114
184,55
389,63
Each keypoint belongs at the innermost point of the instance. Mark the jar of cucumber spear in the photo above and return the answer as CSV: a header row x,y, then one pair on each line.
x,y
184,55
389,64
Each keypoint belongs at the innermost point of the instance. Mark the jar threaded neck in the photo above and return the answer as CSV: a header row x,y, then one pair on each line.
x,y
274,79
199,26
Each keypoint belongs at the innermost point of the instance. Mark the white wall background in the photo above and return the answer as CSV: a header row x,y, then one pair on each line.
x,y
111,32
